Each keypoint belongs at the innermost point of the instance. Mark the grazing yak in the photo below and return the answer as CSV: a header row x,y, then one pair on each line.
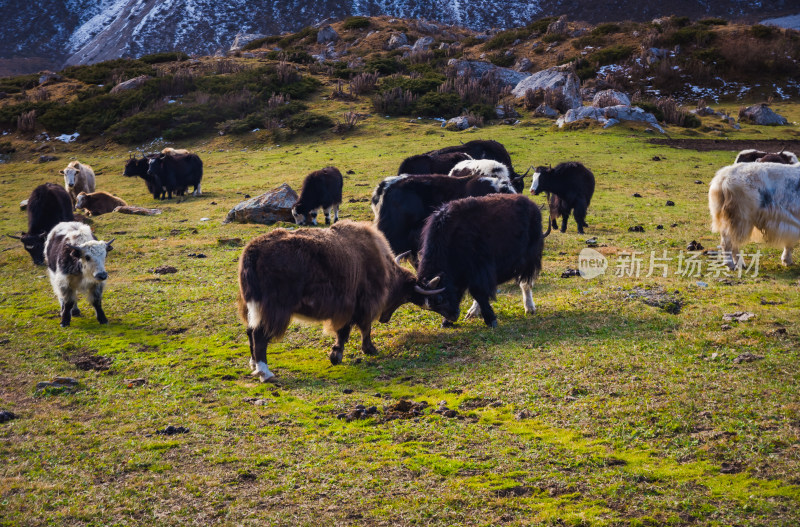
x,y
431,163
345,276
483,149
474,244
48,205
757,156
570,187
76,263
174,173
321,189
78,177
752,201
98,203
402,203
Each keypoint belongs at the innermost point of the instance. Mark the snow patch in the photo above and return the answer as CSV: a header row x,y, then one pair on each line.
x,y
67,138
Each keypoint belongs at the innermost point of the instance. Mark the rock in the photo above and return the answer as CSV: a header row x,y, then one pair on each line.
x,y
570,272
605,98
6,416
172,430
694,245
603,115
506,112
478,68
545,111
23,205
559,26
427,27
457,123
523,64
242,39
130,84
747,357
637,195
422,44
397,40
133,383
139,211
653,55
248,55
46,159
670,203
761,114
636,228
559,78
739,316
272,206
327,34
66,384
49,76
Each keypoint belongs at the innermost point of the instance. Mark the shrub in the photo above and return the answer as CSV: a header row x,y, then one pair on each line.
x,y
553,98
486,90
651,107
708,22
356,22
9,115
167,56
697,35
540,26
436,104
674,114
506,39
610,55
6,148
483,112
502,59
19,83
417,86
26,122
308,122
259,42
471,41
348,122
761,31
394,102
383,65
553,37
606,29
109,71
295,54
364,83
588,40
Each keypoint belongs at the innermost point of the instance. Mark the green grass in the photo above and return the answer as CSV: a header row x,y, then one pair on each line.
x,y
633,412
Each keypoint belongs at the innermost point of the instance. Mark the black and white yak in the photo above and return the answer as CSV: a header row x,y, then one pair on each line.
x,y
569,187
757,156
486,149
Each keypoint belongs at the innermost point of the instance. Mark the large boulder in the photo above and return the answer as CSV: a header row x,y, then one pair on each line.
x,y
610,116
456,124
397,40
272,206
762,114
610,98
558,27
477,69
422,44
130,84
242,39
327,34
559,78
543,110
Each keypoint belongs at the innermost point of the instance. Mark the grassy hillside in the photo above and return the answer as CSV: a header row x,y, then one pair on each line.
x,y
597,410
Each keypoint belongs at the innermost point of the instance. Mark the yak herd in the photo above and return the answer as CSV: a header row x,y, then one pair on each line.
x,y
456,214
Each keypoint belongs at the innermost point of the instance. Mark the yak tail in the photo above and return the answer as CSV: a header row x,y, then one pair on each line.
x,y
550,220
732,209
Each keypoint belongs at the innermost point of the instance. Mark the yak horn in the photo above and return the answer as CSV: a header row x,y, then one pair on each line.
x,y
14,237
434,281
526,172
427,292
400,257
109,242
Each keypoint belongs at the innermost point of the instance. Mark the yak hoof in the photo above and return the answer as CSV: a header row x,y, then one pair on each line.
x,y
369,350
64,324
448,324
76,312
336,355
103,320
492,324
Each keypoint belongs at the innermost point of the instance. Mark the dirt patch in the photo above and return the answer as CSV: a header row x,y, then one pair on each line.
x,y
90,360
473,404
164,269
657,297
404,409
705,145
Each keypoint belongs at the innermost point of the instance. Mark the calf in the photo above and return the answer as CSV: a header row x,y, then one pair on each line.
x,y
48,205
175,173
431,163
321,189
98,203
570,187
749,201
402,203
78,177
345,276
752,156
474,244
76,263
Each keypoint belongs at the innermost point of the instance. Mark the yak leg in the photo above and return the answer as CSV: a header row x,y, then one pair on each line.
x,y
327,212
68,299
579,213
527,297
555,222
75,311
731,252
366,339
786,257
96,299
335,213
564,218
252,354
474,310
260,340
197,190
337,351
485,308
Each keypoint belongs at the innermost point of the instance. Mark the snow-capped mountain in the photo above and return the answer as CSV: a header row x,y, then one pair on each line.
x,y
86,31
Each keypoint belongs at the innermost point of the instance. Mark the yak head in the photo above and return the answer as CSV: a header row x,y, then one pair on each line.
x,y
518,180
405,288
135,166
70,175
444,300
537,184
303,216
34,244
92,255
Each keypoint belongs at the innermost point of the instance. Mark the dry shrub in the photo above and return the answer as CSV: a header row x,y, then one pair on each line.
x,y
394,102
486,90
26,122
553,98
604,100
223,66
287,73
420,56
39,94
473,119
277,100
349,121
340,94
364,83
202,97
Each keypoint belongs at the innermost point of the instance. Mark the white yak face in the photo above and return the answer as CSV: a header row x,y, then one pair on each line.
x,y
80,201
535,182
70,175
93,259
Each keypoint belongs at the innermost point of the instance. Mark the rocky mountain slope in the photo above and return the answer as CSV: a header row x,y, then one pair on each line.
x,y
53,33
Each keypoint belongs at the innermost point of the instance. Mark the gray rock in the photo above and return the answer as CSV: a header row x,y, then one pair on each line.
x,y
422,44
653,55
49,76
477,68
327,34
130,84
761,114
427,27
242,39
397,40
444,45
559,26
46,158
523,64
544,110
559,78
501,112
610,98
457,123
605,115
248,55
272,206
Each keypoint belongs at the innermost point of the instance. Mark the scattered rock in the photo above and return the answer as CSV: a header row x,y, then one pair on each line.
x,y
163,269
506,112
761,114
523,64
570,272
63,384
272,206
730,468
397,40
544,110
559,79
91,361
558,27
49,76
242,39
422,44
694,245
6,416
636,228
197,255
359,411
747,357
327,34
739,316
637,195
139,211
404,409
134,383
46,159
457,123
605,98
670,203
476,69
172,430
130,84
605,115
